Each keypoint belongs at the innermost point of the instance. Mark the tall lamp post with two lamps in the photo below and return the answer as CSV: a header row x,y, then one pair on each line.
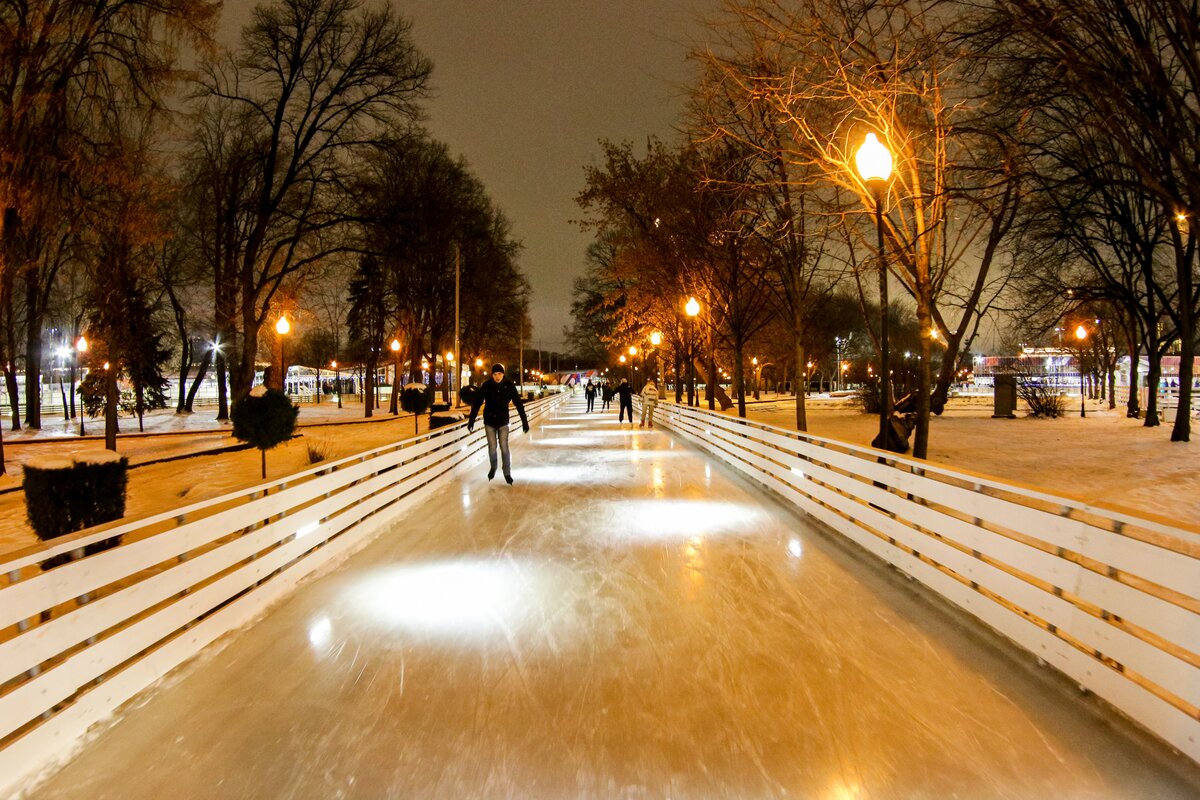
x,y
1081,335
874,163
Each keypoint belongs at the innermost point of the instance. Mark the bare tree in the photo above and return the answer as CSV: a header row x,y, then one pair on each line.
x,y
317,79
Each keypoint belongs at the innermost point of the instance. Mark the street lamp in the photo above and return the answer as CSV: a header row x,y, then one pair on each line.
x,y
692,308
282,327
396,374
1081,335
633,351
874,163
337,380
81,346
449,372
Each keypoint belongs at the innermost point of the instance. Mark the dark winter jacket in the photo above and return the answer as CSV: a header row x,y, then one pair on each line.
x,y
625,393
494,397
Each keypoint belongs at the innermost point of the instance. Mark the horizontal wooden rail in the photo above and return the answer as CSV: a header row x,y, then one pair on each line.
x,y
79,639
1107,596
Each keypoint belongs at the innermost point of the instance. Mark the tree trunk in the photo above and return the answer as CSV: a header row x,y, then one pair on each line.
x,y
1181,431
33,368
111,398
801,391
222,388
924,373
1153,375
368,384
201,373
14,397
185,361
1133,404
739,378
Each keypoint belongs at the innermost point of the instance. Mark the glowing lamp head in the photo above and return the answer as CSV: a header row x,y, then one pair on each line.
x,y
282,327
754,361
1081,333
622,359
333,365
693,307
395,345
81,345
479,363
873,160
656,338
632,350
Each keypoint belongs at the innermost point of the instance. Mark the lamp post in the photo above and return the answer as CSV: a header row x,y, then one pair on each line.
x,y
655,342
633,351
1081,334
395,375
282,327
874,163
692,308
337,380
449,374
479,364
81,346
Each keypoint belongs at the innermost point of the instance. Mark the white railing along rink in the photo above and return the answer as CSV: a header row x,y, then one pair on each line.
x,y
78,640
1111,599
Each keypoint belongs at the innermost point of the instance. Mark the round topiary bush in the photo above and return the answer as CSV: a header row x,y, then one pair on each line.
x,y
467,395
415,400
264,418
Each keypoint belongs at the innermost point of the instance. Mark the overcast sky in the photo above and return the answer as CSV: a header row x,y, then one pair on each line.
x,y
524,90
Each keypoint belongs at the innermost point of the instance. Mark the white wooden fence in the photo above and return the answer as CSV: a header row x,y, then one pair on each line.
x,y
78,640
1106,597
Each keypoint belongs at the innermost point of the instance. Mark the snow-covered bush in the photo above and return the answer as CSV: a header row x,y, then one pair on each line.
x,y
415,400
264,418
441,419
64,495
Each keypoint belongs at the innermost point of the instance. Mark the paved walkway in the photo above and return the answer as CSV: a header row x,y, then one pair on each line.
x,y
629,620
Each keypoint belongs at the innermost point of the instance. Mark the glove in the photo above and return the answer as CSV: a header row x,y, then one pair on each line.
x,y
470,427
525,428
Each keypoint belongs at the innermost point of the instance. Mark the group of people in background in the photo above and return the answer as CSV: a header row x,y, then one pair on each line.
x,y
624,394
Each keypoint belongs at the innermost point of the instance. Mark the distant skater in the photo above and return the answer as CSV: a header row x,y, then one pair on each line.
x,y
494,396
625,401
590,394
649,403
606,393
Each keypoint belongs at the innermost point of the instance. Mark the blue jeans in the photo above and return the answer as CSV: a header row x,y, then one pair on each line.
x,y
498,433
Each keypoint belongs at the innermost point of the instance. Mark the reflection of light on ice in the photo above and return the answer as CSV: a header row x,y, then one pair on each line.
x,y
474,598
466,500
656,476
562,427
674,519
564,473
795,548
320,633
568,441
842,791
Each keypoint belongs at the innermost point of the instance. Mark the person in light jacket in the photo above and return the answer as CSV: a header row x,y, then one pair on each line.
x,y
494,396
649,402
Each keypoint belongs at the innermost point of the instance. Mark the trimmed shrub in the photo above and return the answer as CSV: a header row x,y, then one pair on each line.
x,y
868,397
264,418
467,395
66,495
415,400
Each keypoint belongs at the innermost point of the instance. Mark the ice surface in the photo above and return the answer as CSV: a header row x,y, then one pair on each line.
x,y
629,620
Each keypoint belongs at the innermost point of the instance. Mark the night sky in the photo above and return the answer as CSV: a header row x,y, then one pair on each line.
x,y
524,90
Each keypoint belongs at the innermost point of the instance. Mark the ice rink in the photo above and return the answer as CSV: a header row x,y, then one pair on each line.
x,y
628,620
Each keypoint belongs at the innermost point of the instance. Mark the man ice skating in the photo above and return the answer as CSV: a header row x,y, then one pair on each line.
x,y
590,394
494,396
625,401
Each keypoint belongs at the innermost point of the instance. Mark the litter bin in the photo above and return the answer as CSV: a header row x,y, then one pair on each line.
x,y
1004,400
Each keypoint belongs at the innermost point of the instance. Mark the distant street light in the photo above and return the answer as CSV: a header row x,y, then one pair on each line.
x,y
282,327
449,371
396,375
81,347
874,163
337,381
692,308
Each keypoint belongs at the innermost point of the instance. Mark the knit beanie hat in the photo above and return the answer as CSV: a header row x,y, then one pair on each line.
x,y
497,367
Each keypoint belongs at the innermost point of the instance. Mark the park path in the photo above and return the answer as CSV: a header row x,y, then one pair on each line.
x,y
628,620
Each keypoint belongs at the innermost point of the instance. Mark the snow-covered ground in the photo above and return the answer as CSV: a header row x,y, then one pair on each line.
x,y
158,487
1104,458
